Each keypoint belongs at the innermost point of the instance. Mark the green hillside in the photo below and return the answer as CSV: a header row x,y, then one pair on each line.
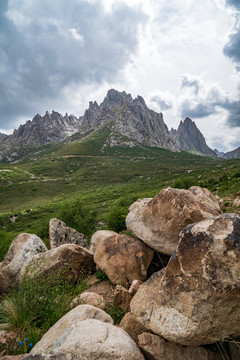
x,y
91,188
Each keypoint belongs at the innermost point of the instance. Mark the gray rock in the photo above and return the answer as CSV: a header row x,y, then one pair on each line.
x,y
87,333
60,234
195,299
22,249
158,222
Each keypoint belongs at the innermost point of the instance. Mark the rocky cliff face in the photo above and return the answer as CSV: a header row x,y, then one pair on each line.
x,y
189,138
2,136
234,154
41,130
130,121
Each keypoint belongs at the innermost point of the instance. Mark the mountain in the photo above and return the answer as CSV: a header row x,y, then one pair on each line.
x,y
234,154
2,136
218,153
40,131
129,120
189,138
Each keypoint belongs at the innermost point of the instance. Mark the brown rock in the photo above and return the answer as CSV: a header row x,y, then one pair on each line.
x,y
99,236
122,298
23,248
132,326
155,347
196,300
135,286
158,222
206,197
70,259
123,258
89,298
60,234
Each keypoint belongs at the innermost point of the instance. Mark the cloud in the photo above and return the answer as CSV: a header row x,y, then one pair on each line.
x,y
232,48
46,47
162,101
191,81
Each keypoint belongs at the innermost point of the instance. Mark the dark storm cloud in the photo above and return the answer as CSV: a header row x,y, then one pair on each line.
x,y
188,109
190,82
233,108
232,48
59,44
161,103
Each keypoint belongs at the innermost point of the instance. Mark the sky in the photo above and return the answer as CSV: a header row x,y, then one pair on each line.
x,y
181,56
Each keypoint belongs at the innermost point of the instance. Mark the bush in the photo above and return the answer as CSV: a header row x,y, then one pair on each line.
x,y
183,183
116,219
78,216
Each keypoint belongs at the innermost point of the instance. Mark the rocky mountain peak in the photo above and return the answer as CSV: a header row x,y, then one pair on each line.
x,y
189,138
115,97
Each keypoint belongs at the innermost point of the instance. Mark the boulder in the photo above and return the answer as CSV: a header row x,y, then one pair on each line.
x,y
158,222
132,326
195,299
87,333
135,285
60,234
155,347
99,236
206,197
69,259
90,298
23,248
123,258
122,298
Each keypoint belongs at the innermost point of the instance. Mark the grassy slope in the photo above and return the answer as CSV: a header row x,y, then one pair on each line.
x,y
50,180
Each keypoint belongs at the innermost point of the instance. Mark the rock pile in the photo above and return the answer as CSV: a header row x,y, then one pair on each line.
x,y
193,301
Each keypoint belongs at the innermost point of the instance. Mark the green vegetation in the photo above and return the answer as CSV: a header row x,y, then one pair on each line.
x,y
91,188
36,304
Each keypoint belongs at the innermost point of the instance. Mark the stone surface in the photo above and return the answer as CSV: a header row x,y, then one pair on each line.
x,y
88,334
90,298
23,248
158,222
234,349
206,197
189,138
155,347
195,299
70,259
99,236
122,298
60,234
132,326
123,258
135,285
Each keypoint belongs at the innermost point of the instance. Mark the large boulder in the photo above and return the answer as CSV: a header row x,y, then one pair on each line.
x,y
23,248
90,298
99,236
158,221
87,333
69,259
155,347
132,326
206,197
123,258
195,299
60,234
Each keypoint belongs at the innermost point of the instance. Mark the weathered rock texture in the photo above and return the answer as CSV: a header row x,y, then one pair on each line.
x,y
195,300
206,197
132,326
23,248
122,298
155,347
129,122
99,236
123,258
41,130
88,334
189,138
158,222
69,259
234,154
89,298
61,234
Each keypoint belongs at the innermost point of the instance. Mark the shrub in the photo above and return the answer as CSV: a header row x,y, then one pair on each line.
x,y
115,312
116,219
183,183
